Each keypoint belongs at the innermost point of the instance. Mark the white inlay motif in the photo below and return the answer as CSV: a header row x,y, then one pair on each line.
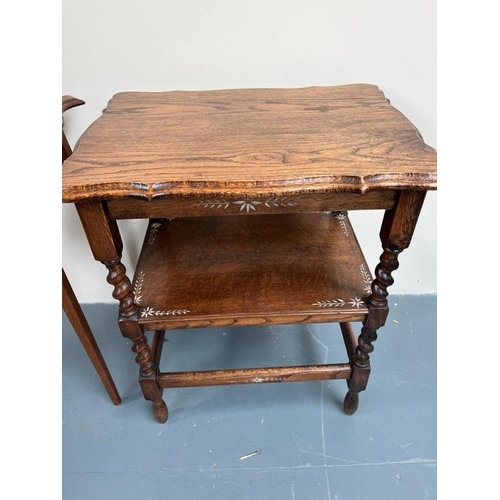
x,y
149,311
213,204
280,202
153,232
342,218
138,288
366,278
247,204
330,303
259,380
357,303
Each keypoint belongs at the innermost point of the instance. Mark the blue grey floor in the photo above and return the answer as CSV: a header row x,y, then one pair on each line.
x,y
308,448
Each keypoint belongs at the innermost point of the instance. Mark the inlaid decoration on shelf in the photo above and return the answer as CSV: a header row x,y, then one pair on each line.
x,y
366,278
147,312
150,311
153,232
356,302
155,227
137,289
342,218
248,204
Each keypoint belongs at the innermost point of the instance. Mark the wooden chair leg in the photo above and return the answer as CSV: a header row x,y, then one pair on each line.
x,y
79,322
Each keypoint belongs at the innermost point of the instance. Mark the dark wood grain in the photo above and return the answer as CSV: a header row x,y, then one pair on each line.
x,y
252,142
213,271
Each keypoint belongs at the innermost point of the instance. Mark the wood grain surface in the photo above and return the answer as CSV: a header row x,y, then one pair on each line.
x,y
265,269
251,142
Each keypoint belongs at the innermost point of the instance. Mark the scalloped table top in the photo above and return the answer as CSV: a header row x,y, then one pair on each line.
x,y
249,142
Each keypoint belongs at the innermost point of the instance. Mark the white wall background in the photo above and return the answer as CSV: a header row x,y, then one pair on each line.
x,y
156,45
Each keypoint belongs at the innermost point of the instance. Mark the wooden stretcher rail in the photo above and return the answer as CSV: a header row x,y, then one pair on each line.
x,y
255,375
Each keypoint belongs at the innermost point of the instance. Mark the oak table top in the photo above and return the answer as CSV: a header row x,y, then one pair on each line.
x,y
249,142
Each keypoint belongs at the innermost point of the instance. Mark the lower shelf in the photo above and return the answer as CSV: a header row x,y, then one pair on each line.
x,y
250,270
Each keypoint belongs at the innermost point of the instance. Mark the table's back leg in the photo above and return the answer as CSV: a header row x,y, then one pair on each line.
x,y
397,230
106,244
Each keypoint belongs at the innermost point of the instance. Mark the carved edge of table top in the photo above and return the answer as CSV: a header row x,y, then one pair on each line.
x,y
291,185
158,191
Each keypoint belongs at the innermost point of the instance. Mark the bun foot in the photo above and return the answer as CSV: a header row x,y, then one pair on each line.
x,y
160,411
351,402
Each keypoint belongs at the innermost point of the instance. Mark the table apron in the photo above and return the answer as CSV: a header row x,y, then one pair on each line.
x,y
131,208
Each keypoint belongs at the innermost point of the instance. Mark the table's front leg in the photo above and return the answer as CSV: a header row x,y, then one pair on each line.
x,y
105,242
396,233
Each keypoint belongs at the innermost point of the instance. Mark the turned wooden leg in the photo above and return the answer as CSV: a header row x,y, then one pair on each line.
x,y
130,328
105,241
148,370
395,234
360,368
377,314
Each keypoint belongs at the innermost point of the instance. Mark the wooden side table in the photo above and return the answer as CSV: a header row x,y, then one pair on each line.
x,y
248,193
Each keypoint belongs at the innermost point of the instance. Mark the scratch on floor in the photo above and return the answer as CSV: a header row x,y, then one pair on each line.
x,y
394,440
299,446
306,448
293,491
410,326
